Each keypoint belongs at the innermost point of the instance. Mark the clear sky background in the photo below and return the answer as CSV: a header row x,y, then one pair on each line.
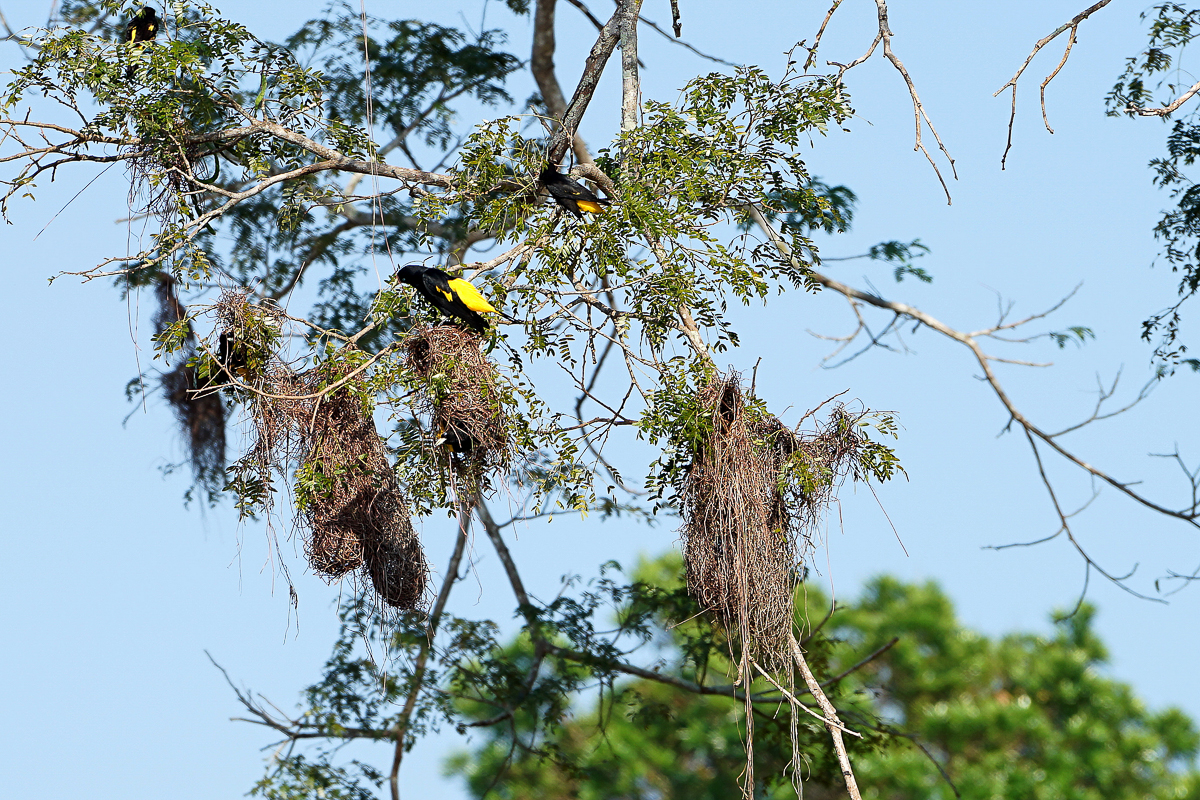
x,y
114,590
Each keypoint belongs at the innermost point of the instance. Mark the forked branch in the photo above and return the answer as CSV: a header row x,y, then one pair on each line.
x,y
1073,26
920,116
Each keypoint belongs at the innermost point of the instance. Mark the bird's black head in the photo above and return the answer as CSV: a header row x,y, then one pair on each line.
x,y
550,172
410,274
147,14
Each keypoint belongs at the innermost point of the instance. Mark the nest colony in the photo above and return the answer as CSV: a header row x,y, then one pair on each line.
x,y
753,493
461,398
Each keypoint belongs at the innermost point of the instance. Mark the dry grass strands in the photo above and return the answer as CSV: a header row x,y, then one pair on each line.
x,y
753,495
740,554
460,398
349,503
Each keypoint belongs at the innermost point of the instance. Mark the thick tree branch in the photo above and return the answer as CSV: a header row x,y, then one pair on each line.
x,y
541,64
630,85
592,69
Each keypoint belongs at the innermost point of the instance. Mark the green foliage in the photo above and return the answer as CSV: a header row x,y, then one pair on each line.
x,y
1019,716
1015,717
1146,75
1076,334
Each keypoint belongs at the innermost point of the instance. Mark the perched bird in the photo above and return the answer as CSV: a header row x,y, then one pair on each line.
x,y
457,440
454,297
572,196
230,360
142,28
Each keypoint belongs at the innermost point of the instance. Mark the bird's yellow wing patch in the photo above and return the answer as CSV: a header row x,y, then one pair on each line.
x,y
449,297
590,207
470,296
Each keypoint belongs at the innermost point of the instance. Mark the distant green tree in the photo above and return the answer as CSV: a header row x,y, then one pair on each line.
x,y
1022,716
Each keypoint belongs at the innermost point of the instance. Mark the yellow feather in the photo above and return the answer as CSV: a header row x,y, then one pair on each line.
x,y
470,296
590,207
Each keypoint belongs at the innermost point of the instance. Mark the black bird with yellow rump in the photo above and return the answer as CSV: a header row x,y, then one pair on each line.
x,y
452,296
569,194
230,361
141,29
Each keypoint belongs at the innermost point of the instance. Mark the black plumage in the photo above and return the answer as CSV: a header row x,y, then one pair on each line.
x,y
230,361
569,194
457,440
452,296
142,28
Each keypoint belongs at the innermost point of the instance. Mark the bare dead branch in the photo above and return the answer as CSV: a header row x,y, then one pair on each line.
x,y
812,53
1073,26
920,116
832,723
1190,515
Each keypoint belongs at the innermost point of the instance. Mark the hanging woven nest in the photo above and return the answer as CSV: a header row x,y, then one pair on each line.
x,y
753,494
739,548
460,396
353,506
349,504
201,415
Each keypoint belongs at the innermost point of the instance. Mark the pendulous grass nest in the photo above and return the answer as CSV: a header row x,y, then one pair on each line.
x,y
201,415
753,494
349,503
460,395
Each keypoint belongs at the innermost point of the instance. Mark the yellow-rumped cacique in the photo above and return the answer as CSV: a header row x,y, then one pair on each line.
x,y
452,296
230,361
569,194
142,28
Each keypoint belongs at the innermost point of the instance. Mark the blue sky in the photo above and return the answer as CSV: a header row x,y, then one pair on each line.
x,y
115,590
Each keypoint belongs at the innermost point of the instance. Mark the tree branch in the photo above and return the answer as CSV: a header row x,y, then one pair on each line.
x,y
400,730
1189,515
1073,26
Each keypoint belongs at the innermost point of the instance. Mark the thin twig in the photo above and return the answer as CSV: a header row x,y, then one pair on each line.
x,y
1073,26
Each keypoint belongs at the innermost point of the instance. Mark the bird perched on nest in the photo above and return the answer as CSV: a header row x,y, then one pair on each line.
x,y
142,28
452,296
569,194
230,359
456,440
